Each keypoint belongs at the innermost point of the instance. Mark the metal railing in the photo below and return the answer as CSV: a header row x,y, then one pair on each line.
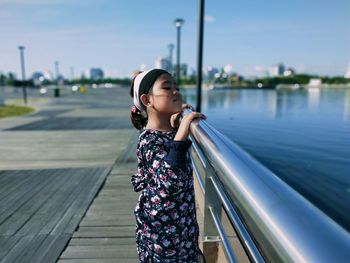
x,y
273,222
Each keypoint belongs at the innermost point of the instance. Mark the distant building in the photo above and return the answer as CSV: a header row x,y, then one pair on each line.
x,y
96,74
228,69
38,78
276,70
347,74
289,72
210,72
315,82
162,63
183,70
192,73
48,75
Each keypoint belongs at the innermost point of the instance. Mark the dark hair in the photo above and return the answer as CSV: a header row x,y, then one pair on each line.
x,y
137,119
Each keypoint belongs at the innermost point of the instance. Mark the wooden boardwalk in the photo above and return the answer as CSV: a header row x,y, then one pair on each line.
x,y
107,232
40,210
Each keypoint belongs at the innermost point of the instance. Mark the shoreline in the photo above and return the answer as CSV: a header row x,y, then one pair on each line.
x,y
277,87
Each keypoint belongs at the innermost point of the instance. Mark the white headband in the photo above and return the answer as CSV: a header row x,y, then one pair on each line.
x,y
137,83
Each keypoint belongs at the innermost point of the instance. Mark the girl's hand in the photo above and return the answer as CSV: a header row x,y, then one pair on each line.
x,y
184,129
175,118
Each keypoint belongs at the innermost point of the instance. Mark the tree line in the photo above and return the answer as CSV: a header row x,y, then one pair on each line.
x,y
233,80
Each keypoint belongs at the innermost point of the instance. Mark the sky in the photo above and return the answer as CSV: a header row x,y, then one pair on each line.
x,y
310,36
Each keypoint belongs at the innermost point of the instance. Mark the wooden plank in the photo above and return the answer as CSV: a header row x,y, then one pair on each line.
x,y
51,209
15,251
123,219
25,212
32,247
119,220
99,260
118,179
58,220
125,169
16,200
114,206
103,241
112,213
110,251
16,183
93,232
9,181
6,244
80,207
112,192
115,199
53,251
61,190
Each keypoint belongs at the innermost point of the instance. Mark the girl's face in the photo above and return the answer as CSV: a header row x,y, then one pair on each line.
x,y
165,95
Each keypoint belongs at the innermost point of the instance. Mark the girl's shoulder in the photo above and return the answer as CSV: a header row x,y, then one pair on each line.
x,y
155,136
150,132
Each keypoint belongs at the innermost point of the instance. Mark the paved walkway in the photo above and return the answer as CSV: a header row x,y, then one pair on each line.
x,y
107,232
53,163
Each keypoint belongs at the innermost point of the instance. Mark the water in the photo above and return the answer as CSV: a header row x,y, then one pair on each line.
x,y
303,136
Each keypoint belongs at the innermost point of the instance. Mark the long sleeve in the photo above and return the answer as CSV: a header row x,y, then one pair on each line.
x,y
177,150
162,163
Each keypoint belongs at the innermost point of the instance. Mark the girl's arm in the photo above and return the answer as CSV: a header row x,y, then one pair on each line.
x,y
184,128
175,118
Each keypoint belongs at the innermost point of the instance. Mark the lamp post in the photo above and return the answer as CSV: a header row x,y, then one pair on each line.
x,y
57,89
178,24
21,53
200,54
2,85
171,47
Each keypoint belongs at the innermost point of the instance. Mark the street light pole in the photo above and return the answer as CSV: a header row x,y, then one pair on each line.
x,y
178,23
21,52
171,47
57,89
200,55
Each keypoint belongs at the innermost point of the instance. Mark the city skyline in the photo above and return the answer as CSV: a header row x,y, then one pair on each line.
x,y
120,36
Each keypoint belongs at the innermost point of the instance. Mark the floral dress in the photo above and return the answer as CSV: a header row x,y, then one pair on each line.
x,y
166,224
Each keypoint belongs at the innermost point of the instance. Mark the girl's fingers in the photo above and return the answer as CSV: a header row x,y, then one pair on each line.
x,y
187,106
195,115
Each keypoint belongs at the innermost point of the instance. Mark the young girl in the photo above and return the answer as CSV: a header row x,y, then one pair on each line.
x,y
166,224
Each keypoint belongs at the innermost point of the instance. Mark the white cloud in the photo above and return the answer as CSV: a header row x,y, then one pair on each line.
x,y
37,2
25,2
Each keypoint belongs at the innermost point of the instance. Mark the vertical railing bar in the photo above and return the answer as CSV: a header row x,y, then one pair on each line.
x,y
199,152
228,249
248,243
198,175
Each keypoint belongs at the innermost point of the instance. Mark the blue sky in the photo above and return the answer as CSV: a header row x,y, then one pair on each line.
x,y
118,36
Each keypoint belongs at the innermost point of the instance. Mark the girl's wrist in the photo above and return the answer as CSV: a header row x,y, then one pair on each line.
x,y
180,138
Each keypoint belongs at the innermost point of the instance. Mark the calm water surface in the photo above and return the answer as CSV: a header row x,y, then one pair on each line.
x,y
303,136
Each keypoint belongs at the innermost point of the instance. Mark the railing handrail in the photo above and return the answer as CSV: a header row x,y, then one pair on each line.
x,y
285,226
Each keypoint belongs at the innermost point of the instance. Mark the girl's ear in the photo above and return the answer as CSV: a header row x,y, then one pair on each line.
x,y
145,100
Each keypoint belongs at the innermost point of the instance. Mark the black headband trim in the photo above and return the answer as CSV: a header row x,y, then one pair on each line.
x,y
148,80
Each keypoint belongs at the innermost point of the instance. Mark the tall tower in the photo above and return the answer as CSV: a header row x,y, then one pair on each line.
x,y
171,48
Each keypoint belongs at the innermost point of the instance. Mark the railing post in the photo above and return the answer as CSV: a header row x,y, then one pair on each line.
x,y
210,235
